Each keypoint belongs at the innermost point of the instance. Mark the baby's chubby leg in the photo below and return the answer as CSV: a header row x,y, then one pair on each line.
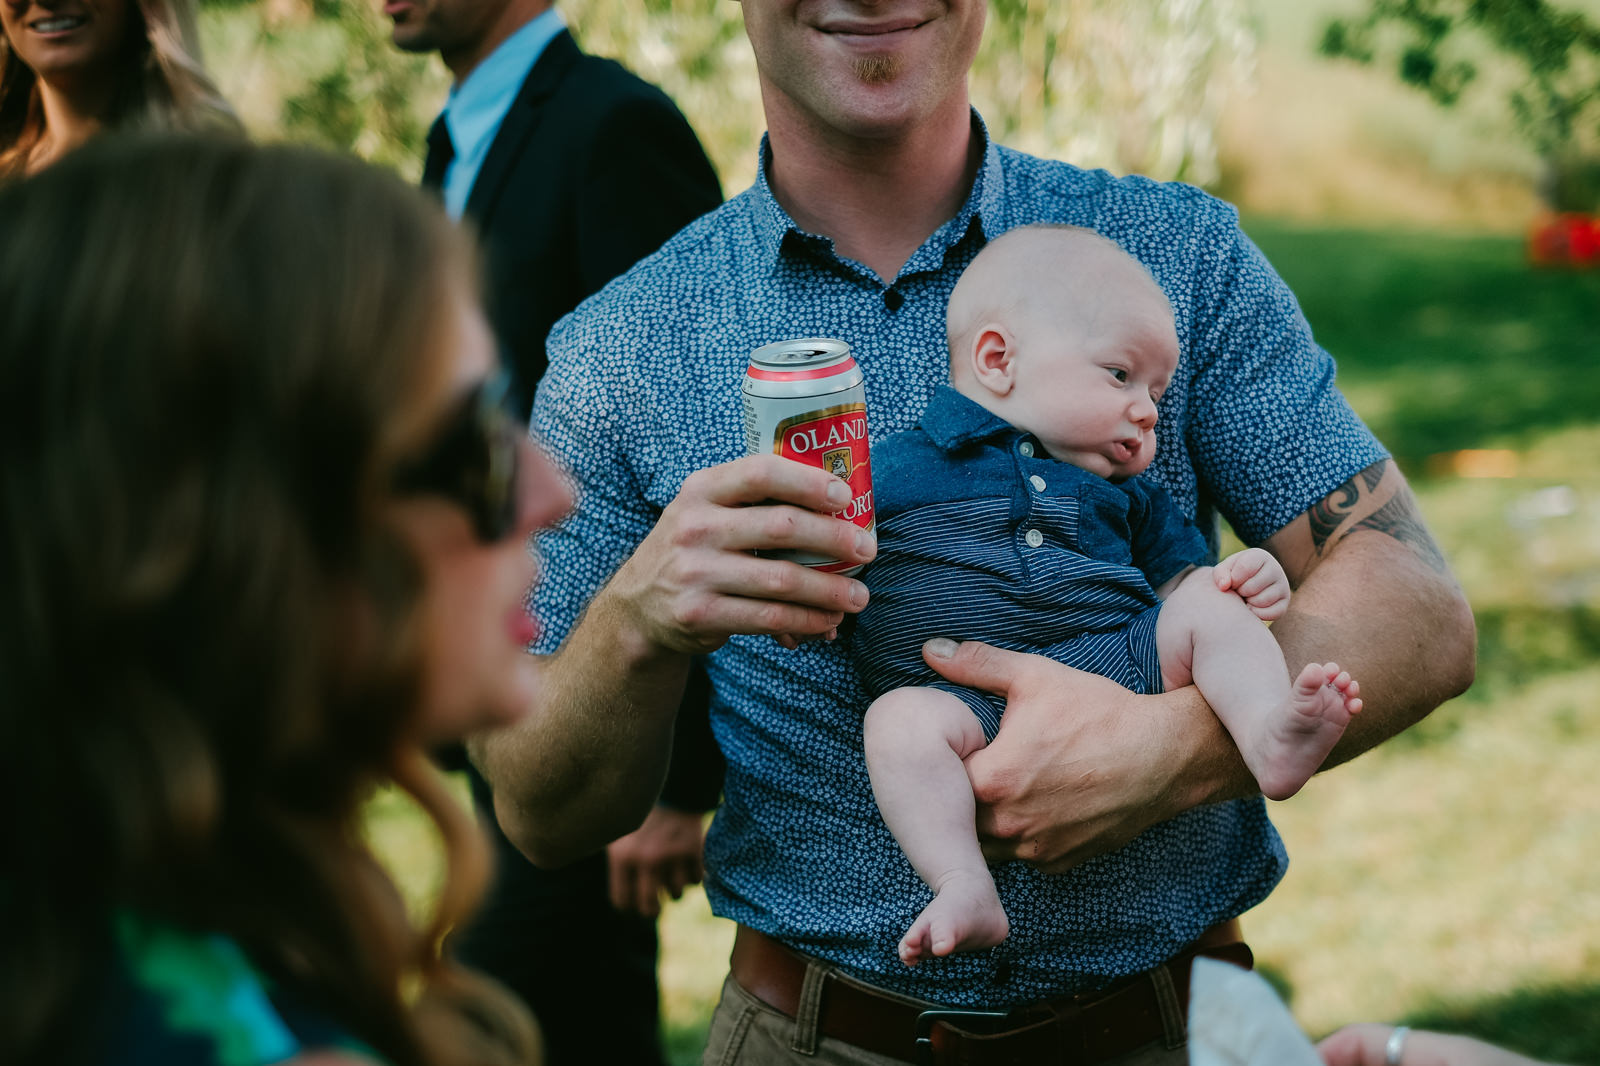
x,y
916,739
1284,732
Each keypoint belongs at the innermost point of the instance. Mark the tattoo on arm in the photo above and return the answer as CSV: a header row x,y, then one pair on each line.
x,y
1400,520
1397,517
1327,513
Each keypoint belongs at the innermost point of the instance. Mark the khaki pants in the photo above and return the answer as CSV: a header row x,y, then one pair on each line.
x,y
747,1032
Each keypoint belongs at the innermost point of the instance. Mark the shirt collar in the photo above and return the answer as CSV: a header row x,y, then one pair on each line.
x,y
477,104
984,205
952,421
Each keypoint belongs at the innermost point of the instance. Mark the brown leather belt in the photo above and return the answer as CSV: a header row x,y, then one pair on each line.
x,y
1077,1030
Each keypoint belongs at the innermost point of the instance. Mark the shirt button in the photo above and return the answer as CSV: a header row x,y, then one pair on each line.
x,y
1026,448
1033,537
1037,482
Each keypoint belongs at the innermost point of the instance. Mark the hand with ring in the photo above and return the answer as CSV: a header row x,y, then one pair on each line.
x,y
1386,1045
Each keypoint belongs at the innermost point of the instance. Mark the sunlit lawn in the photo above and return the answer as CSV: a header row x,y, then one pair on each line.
x,y
1451,877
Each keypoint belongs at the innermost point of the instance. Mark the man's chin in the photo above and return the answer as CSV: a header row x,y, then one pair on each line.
x,y
877,68
408,37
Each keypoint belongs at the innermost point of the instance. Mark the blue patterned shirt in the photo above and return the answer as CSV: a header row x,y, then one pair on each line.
x,y
983,536
643,389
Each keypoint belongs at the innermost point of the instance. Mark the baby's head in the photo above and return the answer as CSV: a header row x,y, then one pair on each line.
x,y
1066,336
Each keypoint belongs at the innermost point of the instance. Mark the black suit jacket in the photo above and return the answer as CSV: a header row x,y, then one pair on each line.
x,y
591,170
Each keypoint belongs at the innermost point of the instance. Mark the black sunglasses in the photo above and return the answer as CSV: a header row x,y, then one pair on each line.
x,y
474,461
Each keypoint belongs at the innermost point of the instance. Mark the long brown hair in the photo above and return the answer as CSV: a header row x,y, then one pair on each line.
x,y
208,654
162,84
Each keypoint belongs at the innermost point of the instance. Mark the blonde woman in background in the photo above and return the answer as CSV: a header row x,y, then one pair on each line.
x,y
71,68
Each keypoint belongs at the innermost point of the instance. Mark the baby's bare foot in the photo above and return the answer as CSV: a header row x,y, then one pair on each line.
x,y
965,915
1306,728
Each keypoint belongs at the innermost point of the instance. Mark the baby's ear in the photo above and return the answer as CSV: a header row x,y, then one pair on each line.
x,y
993,359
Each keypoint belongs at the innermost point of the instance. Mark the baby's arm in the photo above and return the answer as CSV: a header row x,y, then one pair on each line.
x,y
1256,578
1253,575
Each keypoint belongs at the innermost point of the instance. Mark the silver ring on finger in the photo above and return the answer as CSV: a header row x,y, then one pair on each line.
x,y
1396,1045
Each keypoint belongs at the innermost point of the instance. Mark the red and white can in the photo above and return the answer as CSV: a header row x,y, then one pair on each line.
x,y
805,400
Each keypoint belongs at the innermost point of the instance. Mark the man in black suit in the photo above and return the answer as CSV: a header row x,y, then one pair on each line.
x,y
571,169
586,169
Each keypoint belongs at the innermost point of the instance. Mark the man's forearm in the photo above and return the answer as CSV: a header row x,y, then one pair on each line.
x,y
588,762
1213,768
1401,628
1375,594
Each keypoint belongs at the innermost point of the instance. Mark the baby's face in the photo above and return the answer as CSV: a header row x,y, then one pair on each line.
x,y
1089,392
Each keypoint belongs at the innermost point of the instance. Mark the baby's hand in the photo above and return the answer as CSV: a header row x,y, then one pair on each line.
x,y
1257,579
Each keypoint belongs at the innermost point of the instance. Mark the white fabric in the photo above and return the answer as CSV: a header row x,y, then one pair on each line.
x,y
1236,1019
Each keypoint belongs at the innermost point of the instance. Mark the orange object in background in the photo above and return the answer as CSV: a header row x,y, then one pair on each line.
x,y
1566,240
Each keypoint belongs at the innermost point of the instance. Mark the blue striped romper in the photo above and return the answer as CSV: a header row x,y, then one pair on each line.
x,y
982,536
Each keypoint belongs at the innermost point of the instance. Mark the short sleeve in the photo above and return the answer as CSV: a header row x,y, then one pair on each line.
x,y
1165,542
580,418
1268,431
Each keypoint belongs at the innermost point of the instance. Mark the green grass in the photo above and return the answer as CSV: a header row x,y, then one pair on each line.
x,y
1449,878
1447,342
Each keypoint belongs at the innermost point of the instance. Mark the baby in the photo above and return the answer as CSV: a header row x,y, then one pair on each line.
x,y
1013,514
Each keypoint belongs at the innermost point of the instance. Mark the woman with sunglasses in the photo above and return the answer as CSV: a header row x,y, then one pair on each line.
x,y
264,544
71,68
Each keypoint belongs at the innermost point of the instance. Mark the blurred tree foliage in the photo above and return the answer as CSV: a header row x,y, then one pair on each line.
x,y
326,72
1133,85
1137,87
1542,60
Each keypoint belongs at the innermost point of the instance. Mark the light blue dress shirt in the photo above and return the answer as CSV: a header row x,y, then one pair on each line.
x,y
478,105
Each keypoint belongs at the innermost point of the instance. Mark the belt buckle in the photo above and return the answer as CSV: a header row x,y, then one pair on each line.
x,y
929,1018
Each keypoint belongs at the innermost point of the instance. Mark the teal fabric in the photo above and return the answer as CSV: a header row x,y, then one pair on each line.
x,y
185,998
205,986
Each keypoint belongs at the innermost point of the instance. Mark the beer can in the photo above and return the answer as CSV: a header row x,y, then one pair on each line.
x,y
804,399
